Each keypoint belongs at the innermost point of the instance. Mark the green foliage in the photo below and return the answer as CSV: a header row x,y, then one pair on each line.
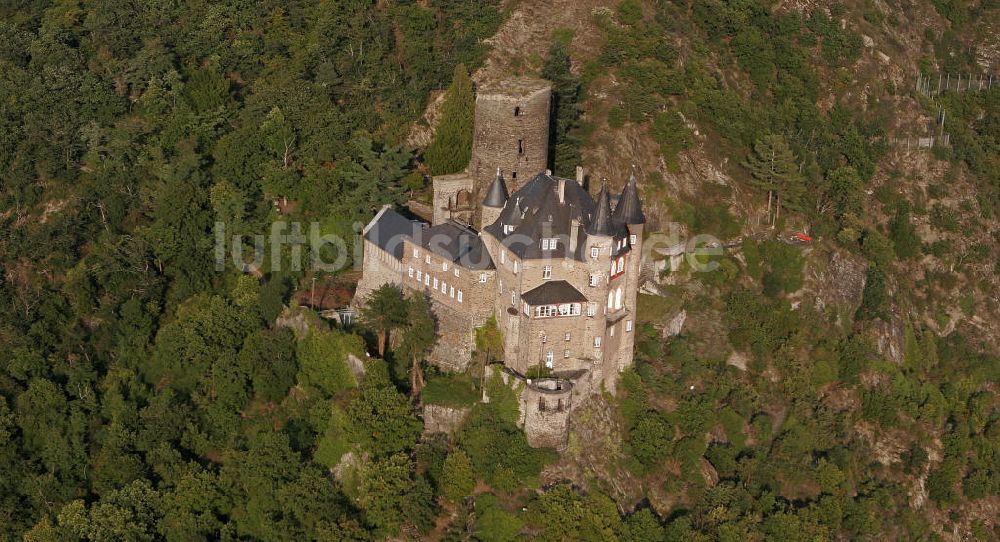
x,y
498,450
564,143
452,146
457,477
322,356
382,420
669,131
450,390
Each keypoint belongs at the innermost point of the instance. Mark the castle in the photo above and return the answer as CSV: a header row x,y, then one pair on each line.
x,y
557,268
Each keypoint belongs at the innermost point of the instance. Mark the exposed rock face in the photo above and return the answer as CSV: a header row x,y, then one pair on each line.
x,y
834,280
443,419
890,337
675,325
356,365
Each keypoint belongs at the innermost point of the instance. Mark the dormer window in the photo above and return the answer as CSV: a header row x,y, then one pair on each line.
x,y
482,277
444,266
550,243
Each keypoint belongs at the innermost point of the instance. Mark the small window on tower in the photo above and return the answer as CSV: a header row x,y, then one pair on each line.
x,y
517,111
520,146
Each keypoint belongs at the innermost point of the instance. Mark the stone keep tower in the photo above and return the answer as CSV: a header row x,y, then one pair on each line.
x,y
511,132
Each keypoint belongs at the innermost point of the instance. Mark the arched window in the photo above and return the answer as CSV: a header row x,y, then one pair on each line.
x,y
618,298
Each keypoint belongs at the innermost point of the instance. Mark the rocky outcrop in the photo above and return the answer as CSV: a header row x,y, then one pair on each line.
x,y
443,419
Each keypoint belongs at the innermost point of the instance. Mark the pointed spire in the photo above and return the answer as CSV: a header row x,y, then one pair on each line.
x,y
600,223
628,210
497,195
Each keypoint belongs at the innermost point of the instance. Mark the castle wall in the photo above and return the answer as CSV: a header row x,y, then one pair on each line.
x,y
511,132
449,200
459,299
378,268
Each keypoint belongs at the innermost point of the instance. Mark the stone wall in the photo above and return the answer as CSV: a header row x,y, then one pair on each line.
x,y
378,268
443,419
454,198
511,132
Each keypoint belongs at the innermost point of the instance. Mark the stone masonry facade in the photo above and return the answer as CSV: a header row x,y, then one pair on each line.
x,y
557,267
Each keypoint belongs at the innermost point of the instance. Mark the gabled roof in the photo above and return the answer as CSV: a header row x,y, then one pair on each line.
x,y
457,244
553,293
628,210
389,229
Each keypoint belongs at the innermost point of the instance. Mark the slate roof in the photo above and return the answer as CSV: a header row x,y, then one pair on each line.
x,y
535,212
600,223
553,293
628,210
496,196
389,229
456,243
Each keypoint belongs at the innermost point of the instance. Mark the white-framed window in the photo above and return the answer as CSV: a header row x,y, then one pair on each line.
x,y
451,291
409,272
567,336
444,287
565,353
517,266
612,331
628,325
427,259
565,309
594,251
593,279
416,253
435,283
456,272
507,228
632,239
547,272
460,296
513,298
591,309
525,308
611,299
545,337
427,279
550,243
503,256
597,342
420,275
612,267
545,244
482,278
618,298
621,264
549,359
444,266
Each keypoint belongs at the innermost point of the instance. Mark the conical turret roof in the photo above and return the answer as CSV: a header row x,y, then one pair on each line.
x,y
600,223
628,210
496,195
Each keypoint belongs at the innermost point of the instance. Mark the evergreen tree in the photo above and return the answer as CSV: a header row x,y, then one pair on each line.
x,y
564,145
458,476
384,310
451,149
773,168
418,338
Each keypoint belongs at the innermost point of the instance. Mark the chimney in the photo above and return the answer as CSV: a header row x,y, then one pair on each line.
x,y
574,227
562,190
579,175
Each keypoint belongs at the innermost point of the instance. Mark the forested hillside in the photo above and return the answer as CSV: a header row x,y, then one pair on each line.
x,y
839,388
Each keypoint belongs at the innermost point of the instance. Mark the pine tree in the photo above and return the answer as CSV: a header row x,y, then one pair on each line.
x,y
384,310
564,146
773,168
418,338
451,149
